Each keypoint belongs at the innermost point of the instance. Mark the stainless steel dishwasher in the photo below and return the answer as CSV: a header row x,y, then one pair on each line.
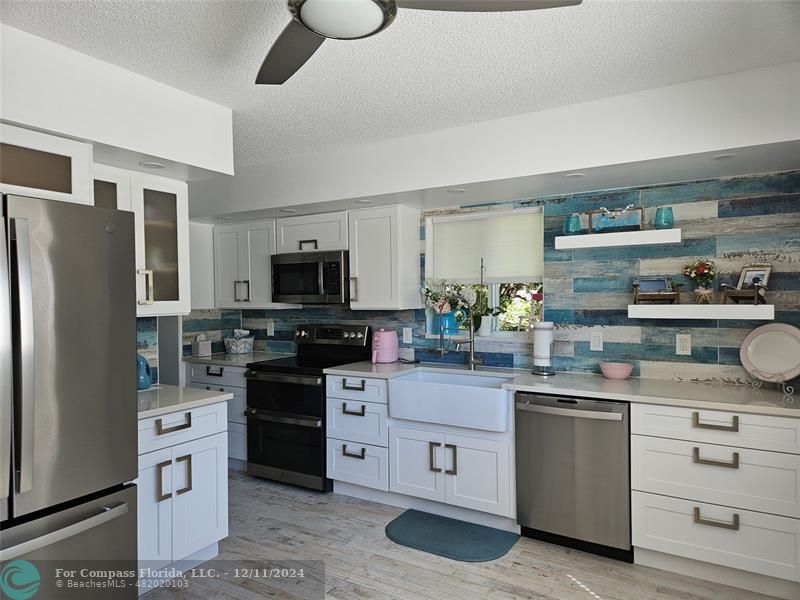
x,y
573,475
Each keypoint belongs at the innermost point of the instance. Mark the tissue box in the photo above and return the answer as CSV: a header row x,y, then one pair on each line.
x,y
238,346
201,348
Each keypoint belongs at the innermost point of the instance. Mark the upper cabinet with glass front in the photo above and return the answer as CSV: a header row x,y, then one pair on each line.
x,y
44,166
161,210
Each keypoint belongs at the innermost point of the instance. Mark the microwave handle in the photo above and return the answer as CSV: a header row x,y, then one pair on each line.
x,y
321,277
301,242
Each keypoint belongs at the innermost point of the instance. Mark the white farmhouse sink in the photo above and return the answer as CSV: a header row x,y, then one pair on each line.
x,y
461,399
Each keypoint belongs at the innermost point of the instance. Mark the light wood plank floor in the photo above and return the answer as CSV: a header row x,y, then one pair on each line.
x,y
271,522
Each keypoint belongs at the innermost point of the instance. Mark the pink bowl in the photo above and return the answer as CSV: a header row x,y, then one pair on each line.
x,y
616,370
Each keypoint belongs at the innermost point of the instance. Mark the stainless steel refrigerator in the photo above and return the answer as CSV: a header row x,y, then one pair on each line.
x,y
68,409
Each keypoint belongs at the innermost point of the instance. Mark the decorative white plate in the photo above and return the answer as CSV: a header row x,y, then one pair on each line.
x,y
772,352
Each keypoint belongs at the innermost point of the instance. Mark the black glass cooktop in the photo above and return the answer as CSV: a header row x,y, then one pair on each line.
x,y
304,365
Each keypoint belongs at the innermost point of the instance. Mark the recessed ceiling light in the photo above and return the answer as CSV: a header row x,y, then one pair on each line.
x,y
289,210
456,190
152,164
363,201
724,156
574,175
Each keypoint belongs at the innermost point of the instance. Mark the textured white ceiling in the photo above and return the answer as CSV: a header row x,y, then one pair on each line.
x,y
428,71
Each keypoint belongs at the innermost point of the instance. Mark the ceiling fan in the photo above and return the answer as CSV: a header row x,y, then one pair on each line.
x,y
314,20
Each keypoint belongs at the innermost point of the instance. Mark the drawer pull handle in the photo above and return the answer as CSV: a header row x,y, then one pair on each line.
x,y
361,456
721,524
432,457
210,389
301,243
734,464
188,460
160,495
161,430
214,372
734,426
354,388
355,413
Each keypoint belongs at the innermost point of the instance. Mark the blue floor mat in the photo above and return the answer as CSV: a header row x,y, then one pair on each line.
x,y
450,538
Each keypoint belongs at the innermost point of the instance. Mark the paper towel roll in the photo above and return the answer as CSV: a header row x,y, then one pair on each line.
x,y
543,344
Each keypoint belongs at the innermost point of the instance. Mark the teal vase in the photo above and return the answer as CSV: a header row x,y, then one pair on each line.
x,y
144,375
448,321
665,219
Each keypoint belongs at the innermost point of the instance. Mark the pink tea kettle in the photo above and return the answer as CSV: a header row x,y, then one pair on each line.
x,y
385,346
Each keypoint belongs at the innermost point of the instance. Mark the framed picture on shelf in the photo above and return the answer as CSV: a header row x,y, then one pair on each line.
x,y
752,274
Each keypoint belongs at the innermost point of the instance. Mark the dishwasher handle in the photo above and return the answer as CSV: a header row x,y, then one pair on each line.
x,y
570,412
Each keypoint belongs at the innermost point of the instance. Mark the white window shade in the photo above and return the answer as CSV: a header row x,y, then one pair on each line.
x,y
511,244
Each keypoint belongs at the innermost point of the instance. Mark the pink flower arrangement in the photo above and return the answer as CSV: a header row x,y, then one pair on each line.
x,y
701,272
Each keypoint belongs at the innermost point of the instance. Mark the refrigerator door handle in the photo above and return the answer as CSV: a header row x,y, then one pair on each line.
x,y
109,513
19,232
6,389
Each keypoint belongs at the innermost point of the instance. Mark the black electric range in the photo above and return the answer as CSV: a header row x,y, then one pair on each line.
x,y
286,404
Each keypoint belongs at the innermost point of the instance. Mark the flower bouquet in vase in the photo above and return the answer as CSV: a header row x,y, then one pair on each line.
x,y
702,273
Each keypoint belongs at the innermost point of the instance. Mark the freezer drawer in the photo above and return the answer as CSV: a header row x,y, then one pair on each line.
x,y
97,535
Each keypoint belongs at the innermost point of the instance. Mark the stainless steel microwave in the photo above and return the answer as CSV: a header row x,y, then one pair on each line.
x,y
311,277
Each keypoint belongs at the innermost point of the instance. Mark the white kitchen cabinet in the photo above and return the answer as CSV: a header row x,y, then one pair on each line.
x,y
112,187
182,490
200,499
384,258
44,166
309,233
230,380
477,474
242,266
161,213
154,508
417,463
359,464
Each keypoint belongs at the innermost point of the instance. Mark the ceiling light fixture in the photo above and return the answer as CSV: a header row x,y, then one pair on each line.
x,y
152,164
574,175
724,156
289,210
456,190
345,19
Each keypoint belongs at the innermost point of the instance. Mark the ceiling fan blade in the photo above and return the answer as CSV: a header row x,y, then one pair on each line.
x,y
484,5
294,46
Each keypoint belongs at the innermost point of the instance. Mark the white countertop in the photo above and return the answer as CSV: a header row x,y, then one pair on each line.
x,y
235,360
164,399
739,398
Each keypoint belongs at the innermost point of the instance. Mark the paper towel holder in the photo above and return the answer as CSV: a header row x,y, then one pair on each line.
x,y
543,349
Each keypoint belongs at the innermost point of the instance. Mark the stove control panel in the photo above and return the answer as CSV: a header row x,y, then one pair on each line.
x,y
350,335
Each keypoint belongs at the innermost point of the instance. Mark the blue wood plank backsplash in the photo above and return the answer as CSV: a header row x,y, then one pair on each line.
x,y
734,221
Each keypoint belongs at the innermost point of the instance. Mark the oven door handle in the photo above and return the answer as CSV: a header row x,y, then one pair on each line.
x,y
312,422
276,378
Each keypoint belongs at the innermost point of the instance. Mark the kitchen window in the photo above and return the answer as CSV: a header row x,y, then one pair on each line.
x,y
510,246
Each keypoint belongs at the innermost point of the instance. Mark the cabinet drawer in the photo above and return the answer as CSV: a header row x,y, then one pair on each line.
x,y
237,441
236,405
362,465
216,375
736,538
780,434
181,426
357,388
364,422
753,479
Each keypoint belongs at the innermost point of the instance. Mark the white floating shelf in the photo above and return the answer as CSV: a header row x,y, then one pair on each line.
x,y
622,238
762,312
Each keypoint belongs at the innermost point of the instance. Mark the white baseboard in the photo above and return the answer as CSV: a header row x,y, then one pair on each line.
x,y
436,508
753,582
148,584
